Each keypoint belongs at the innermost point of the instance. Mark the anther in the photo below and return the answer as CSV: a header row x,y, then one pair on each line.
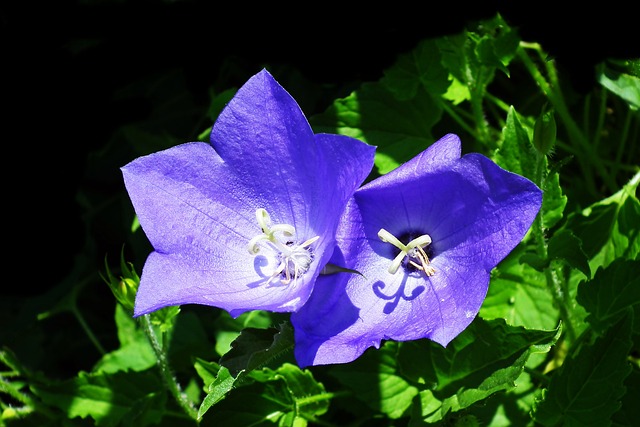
x,y
414,251
279,238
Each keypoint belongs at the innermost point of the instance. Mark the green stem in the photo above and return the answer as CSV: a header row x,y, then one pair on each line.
x,y
623,142
560,295
168,378
87,329
477,109
588,159
458,119
31,405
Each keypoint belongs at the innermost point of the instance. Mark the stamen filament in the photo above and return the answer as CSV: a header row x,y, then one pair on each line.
x,y
280,238
414,249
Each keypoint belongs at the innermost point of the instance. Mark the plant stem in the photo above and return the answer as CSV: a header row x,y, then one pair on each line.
x,y
85,326
167,376
588,159
553,282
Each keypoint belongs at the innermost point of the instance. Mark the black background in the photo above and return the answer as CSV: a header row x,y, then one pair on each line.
x,y
63,62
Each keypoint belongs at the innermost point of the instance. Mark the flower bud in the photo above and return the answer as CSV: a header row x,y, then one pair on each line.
x,y
544,132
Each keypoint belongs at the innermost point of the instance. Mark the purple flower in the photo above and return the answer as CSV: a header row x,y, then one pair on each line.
x,y
424,238
248,221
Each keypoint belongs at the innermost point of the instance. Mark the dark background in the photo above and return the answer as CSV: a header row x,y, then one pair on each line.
x,y
64,63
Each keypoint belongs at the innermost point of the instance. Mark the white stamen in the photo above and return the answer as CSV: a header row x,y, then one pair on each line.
x,y
414,250
279,238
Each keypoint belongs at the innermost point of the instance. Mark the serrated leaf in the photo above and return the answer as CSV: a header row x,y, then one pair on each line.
x,y
399,129
257,405
287,396
629,413
516,154
587,389
564,245
208,371
135,352
486,358
303,390
611,292
217,390
255,348
553,200
374,379
228,328
420,67
473,56
610,228
518,293
135,398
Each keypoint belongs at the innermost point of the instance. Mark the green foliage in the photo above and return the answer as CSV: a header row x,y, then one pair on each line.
x,y
587,389
556,340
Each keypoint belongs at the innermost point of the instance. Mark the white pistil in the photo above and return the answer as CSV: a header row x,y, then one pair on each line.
x,y
294,259
414,250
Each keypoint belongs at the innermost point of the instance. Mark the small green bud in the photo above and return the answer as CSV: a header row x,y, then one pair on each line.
x,y
124,288
544,132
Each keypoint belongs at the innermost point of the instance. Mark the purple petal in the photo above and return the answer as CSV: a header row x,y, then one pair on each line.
x,y
474,211
441,153
263,133
197,205
199,217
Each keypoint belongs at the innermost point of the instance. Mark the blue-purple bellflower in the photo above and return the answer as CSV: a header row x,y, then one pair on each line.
x,y
425,238
247,221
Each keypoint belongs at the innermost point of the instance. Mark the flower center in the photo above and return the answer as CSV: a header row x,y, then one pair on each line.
x,y
413,251
294,259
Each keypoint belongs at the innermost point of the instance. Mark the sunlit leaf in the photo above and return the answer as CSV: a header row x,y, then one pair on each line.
x,y
122,398
519,294
486,358
399,129
611,293
375,380
588,388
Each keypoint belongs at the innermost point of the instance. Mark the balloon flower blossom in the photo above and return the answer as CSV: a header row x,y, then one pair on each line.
x,y
247,221
424,238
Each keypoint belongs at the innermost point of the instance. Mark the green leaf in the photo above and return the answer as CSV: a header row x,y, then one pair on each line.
x,y
256,405
255,348
611,293
188,339
399,129
473,56
610,228
629,414
420,67
553,200
486,358
375,380
308,395
587,389
228,328
626,86
516,154
218,389
519,294
564,245
286,395
134,398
